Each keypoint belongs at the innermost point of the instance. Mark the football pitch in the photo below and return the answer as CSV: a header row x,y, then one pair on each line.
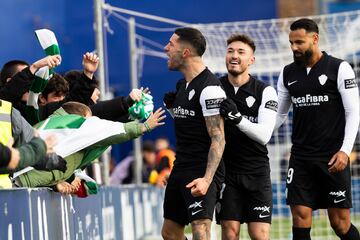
x,y
281,228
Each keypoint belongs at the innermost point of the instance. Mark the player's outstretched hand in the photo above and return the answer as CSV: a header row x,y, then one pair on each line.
x,y
199,187
338,162
229,111
154,120
169,99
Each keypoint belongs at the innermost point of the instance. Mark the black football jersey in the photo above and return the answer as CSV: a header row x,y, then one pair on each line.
x,y
243,155
318,112
193,101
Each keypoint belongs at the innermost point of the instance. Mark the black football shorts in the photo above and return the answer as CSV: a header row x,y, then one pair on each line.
x,y
246,198
180,206
309,183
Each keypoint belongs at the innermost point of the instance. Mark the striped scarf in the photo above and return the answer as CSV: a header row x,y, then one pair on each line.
x,y
50,45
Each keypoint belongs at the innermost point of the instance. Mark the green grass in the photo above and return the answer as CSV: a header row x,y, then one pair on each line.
x,y
281,228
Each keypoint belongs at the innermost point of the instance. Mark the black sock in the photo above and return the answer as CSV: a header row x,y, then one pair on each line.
x,y
301,233
352,234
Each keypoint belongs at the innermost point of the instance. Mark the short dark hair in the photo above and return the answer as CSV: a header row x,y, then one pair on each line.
x,y
305,23
242,38
76,108
194,37
57,84
9,69
148,146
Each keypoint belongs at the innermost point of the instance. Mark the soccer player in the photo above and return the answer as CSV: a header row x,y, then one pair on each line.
x,y
250,116
325,99
193,184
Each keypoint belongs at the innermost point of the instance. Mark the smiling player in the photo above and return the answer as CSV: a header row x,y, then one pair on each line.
x,y
250,113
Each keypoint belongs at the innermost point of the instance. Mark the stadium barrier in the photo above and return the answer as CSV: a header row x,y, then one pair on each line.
x,y
117,212
126,212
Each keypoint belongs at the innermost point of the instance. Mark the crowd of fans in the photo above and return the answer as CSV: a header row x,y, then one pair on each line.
x,y
67,101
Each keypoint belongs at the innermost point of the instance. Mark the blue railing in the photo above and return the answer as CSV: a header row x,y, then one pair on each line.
x,y
111,214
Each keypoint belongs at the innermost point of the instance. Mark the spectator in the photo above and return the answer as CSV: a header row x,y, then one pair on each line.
x,y
123,172
30,150
56,90
81,158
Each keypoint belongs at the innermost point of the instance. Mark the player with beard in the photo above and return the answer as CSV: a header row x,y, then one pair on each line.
x,y
250,116
193,185
325,98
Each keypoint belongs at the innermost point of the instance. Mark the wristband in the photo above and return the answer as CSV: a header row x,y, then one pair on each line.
x,y
148,129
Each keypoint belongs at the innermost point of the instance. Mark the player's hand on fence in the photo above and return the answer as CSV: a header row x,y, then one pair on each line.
x,y
154,120
229,111
338,162
50,61
90,64
169,99
199,187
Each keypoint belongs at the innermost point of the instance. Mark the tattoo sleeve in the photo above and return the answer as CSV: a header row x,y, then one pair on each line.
x,y
215,127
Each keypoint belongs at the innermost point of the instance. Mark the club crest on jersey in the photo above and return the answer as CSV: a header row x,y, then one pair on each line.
x,y
191,94
250,101
322,79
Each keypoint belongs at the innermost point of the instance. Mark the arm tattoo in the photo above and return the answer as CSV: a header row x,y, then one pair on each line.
x,y
215,127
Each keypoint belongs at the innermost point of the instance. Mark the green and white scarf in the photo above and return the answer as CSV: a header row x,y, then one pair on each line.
x,y
50,45
75,133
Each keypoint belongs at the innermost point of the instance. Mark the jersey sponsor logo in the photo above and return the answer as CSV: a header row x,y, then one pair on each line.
x,y
196,204
339,196
322,79
213,103
265,211
272,105
250,100
291,83
191,94
309,100
180,112
251,118
195,212
350,83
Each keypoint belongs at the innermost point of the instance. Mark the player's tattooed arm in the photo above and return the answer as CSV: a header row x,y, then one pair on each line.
x,y
215,127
